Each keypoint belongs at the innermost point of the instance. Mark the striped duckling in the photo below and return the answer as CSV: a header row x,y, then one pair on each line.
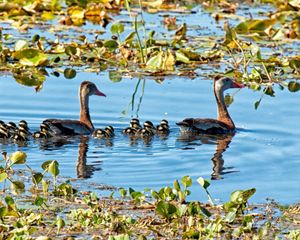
x,y
148,130
22,133
134,127
43,133
4,133
163,127
108,132
11,127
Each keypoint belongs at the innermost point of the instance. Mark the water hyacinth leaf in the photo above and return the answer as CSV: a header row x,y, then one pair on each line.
x,y
295,64
129,38
60,223
21,44
254,25
117,28
3,211
70,50
53,168
37,178
294,86
169,61
269,91
203,182
111,44
180,57
3,176
241,196
230,217
18,157
255,51
115,76
186,181
155,62
39,201
165,209
176,185
69,73
256,104
17,187
31,77
30,57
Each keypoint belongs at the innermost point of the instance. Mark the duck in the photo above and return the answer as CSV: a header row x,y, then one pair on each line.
x,y
163,127
84,125
223,124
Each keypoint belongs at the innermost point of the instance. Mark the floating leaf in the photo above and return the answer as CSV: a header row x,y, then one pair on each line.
x,y
53,168
117,28
69,73
111,44
18,157
115,76
70,50
186,181
294,86
228,99
176,185
21,44
30,57
37,178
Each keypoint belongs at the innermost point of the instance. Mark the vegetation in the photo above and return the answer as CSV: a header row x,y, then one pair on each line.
x,y
34,206
261,52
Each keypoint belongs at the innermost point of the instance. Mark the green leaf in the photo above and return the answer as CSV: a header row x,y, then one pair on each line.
x,y
293,86
111,44
155,62
176,185
181,57
228,99
53,168
117,28
37,178
39,201
186,181
21,44
70,50
230,217
17,187
256,104
204,183
3,176
269,91
165,209
3,211
114,76
69,73
18,157
30,57
129,38
60,223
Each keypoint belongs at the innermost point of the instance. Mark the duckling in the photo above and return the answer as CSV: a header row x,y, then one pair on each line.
x,y
20,136
163,127
135,123
23,124
100,133
129,131
148,125
110,131
146,132
11,127
43,133
4,133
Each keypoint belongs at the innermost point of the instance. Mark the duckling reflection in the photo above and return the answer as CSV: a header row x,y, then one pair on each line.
x,y
222,143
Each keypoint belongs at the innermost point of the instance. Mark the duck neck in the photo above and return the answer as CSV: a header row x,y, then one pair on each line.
x,y
223,114
84,111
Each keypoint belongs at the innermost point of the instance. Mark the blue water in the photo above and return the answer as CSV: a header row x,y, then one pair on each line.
x,y
262,154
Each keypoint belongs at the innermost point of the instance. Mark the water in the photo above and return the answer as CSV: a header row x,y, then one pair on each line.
x,y
262,154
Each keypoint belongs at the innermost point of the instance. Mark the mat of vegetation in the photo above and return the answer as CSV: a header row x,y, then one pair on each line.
x,y
37,204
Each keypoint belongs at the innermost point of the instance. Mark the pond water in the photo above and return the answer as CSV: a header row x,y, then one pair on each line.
x,y
262,154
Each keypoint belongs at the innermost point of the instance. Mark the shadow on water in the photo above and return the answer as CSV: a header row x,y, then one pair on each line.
x,y
222,143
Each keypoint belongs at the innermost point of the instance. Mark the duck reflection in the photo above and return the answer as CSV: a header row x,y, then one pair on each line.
x,y
222,143
83,169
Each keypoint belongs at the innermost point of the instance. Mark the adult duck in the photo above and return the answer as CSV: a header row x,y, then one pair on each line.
x,y
223,124
84,126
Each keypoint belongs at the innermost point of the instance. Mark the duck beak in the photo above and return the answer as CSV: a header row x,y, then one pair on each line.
x,y
99,93
237,85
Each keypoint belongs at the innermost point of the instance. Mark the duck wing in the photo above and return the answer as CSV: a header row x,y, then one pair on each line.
x,y
200,125
67,127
